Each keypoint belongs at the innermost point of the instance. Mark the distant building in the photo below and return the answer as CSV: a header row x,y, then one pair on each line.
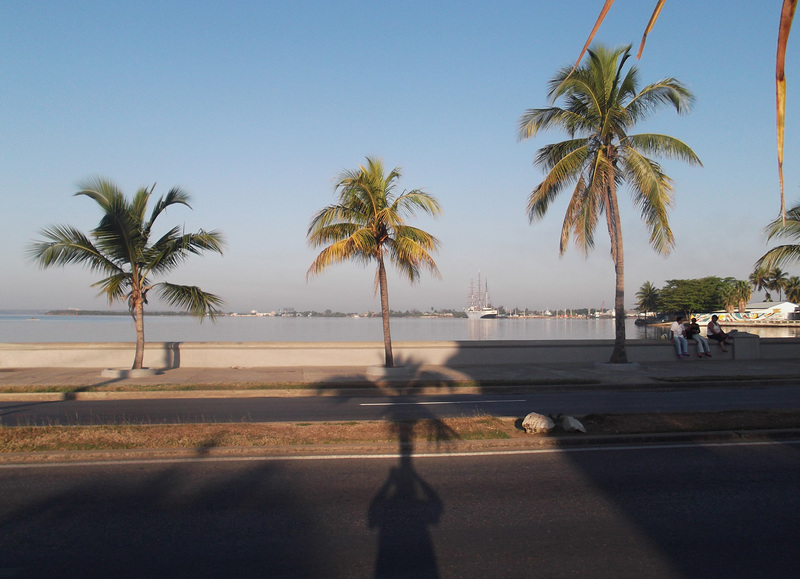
x,y
776,310
756,312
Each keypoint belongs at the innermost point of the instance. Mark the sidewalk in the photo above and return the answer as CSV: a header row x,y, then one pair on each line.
x,y
313,380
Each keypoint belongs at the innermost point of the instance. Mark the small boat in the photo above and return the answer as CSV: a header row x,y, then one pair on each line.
x,y
479,305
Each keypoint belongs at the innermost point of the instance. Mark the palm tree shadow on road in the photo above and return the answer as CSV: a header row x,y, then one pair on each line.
x,y
404,509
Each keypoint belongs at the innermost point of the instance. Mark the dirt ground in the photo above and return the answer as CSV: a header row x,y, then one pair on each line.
x,y
34,439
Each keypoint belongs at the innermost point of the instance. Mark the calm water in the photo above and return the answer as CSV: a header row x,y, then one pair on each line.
x,y
41,328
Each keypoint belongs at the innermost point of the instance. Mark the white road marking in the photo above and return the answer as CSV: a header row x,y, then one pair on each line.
x,y
394,455
441,402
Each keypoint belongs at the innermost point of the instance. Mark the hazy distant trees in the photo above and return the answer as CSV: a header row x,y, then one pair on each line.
x,y
687,296
122,248
602,104
368,224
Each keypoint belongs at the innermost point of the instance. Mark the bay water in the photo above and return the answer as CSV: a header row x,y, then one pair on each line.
x,y
26,328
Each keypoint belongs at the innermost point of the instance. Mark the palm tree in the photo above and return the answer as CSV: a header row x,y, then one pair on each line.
x,y
759,279
777,281
120,247
369,224
647,297
602,105
729,297
785,25
743,293
793,289
788,230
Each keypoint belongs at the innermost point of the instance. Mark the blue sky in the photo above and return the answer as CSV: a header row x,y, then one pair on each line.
x,y
255,107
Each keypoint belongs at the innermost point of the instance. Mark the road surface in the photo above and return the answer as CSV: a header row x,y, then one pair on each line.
x,y
320,408
661,511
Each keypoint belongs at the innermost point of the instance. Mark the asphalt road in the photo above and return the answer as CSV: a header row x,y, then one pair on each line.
x,y
669,511
321,408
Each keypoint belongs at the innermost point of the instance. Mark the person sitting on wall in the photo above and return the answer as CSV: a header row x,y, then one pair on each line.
x,y
677,332
693,333
715,333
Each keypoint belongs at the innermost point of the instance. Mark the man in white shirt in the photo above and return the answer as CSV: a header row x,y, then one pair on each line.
x,y
677,332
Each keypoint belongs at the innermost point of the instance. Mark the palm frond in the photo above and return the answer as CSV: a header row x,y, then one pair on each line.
x,y
786,228
410,250
598,22
359,247
407,204
567,170
652,194
662,146
665,92
190,299
64,245
115,287
787,17
535,120
779,256
104,192
173,248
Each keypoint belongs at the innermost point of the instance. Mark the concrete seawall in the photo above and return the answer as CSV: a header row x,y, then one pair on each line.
x,y
165,355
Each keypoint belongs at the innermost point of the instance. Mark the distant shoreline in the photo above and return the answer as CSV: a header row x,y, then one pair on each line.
x,y
108,313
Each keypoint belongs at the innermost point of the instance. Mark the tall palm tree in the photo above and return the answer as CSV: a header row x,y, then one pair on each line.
x,y
793,289
784,27
729,297
121,248
369,224
602,104
759,279
647,297
743,293
777,281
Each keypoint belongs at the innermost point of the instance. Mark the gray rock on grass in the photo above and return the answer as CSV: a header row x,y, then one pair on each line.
x,y
535,423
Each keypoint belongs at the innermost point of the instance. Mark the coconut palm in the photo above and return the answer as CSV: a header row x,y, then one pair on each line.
x,y
602,104
647,298
759,279
769,264
777,281
729,297
793,289
369,224
787,16
743,293
121,247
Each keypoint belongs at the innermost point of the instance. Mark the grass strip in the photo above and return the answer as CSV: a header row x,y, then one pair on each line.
x,y
17,439
173,436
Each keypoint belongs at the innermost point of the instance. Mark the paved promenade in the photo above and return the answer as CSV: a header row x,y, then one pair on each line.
x,y
320,379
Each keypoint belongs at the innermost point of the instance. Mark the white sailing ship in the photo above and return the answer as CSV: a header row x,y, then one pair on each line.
x,y
480,307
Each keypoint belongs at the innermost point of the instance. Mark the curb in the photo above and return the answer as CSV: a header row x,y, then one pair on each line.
x,y
372,389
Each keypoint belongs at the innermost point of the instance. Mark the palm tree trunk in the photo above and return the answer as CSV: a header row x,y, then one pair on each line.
x,y
387,337
619,354
138,321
